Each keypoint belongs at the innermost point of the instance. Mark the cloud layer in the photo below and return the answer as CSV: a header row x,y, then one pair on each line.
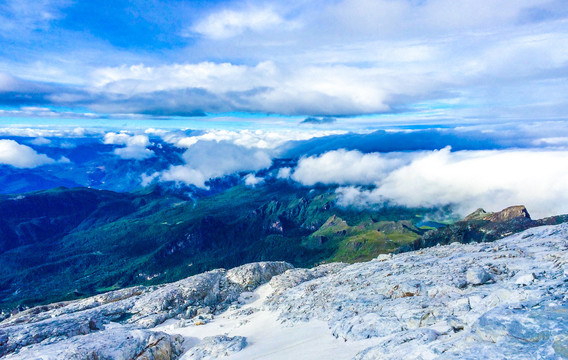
x,y
209,159
465,179
21,156
418,60
135,145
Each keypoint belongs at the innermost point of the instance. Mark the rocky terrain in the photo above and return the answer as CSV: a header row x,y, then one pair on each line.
x,y
482,226
499,300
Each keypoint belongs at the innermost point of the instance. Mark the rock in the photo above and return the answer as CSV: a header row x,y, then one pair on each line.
x,y
250,276
139,307
364,300
477,276
478,214
525,279
560,345
214,347
408,306
295,277
117,343
509,213
480,227
393,346
366,326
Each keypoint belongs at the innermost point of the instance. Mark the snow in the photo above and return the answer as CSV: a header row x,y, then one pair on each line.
x,y
267,336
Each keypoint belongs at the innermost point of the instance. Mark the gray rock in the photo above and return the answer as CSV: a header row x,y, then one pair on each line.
x,y
139,307
477,276
214,347
117,344
393,346
419,292
414,305
250,276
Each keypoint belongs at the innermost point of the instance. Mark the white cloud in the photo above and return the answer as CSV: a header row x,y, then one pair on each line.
x,y
39,112
45,132
249,138
251,180
135,145
346,57
112,138
146,179
471,179
208,159
25,15
347,167
184,175
135,152
284,173
64,160
21,156
40,141
229,23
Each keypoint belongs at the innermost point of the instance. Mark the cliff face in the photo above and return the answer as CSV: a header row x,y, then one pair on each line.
x,y
509,213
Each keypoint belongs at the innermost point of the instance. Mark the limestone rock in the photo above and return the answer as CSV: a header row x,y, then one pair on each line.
x,y
512,212
214,347
477,276
137,308
250,276
118,343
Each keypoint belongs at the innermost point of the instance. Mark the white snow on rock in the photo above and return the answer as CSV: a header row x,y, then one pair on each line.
x,y
46,327
213,347
501,300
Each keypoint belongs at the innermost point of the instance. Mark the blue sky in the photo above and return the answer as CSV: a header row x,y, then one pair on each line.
x,y
237,64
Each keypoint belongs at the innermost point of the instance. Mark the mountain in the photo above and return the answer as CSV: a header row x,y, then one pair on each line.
x,y
502,300
62,244
481,226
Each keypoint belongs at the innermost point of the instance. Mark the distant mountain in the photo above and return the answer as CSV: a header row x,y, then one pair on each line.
x,y
89,163
68,243
481,226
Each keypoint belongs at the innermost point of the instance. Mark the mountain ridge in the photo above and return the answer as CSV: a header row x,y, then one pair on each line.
x,y
63,244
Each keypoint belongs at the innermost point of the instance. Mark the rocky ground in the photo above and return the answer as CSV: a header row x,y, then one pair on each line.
x,y
500,300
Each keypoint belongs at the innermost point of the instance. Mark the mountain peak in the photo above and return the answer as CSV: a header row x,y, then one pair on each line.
x,y
512,212
478,214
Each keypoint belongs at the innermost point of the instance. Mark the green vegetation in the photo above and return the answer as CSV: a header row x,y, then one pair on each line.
x,y
68,243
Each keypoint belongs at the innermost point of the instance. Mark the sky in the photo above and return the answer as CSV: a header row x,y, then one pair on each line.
x,y
352,64
412,102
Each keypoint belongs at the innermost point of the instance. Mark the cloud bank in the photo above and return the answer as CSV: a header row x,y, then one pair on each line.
x,y
346,167
210,159
21,156
135,145
465,179
424,59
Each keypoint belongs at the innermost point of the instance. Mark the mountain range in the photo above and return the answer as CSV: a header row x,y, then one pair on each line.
x,y
63,244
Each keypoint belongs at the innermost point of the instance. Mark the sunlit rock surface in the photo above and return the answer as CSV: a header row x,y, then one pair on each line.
x,y
133,308
499,300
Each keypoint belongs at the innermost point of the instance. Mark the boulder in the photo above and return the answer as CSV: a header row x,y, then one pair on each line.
x,y
477,276
213,347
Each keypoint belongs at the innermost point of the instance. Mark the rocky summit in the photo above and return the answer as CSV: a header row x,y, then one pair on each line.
x,y
497,300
